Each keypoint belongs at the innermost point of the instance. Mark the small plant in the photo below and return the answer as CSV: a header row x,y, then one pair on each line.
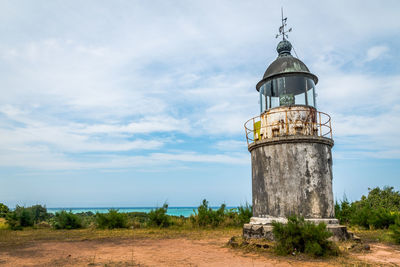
x,y
112,219
159,217
206,216
344,211
244,214
3,210
395,228
66,220
299,235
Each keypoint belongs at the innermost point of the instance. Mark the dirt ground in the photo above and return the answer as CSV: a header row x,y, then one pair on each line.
x,y
165,252
382,254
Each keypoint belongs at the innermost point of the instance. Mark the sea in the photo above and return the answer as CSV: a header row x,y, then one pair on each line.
x,y
174,211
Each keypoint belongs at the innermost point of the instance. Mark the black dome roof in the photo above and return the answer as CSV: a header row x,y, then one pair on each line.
x,y
285,64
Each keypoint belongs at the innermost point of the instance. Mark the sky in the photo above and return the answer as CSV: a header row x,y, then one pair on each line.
x,y
137,103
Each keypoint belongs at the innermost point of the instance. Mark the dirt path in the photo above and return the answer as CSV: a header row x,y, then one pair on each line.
x,y
165,252
382,254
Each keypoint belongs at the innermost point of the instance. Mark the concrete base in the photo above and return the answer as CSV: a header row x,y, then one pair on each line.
x,y
262,228
269,219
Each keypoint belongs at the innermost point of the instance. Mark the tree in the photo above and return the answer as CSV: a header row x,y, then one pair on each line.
x,y
3,210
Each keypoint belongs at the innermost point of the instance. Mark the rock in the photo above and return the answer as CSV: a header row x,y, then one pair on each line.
x,y
262,246
356,238
232,242
339,232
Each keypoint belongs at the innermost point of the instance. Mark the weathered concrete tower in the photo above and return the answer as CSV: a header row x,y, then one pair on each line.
x,y
290,144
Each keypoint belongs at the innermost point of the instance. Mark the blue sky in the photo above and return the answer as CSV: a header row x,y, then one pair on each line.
x,y
133,103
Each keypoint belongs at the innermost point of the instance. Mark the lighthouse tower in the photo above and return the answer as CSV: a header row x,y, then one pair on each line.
x,y
290,144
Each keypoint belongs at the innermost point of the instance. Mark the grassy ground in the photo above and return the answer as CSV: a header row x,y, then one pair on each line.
x,y
9,237
378,235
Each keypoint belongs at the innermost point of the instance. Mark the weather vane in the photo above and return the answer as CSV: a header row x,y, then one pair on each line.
x,y
282,28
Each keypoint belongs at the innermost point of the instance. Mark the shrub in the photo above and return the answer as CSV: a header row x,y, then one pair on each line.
x,y
395,228
159,217
244,214
39,213
3,210
299,235
88,218
112,219
383,198
140,217
13,221
26,216
343,211
66,220
19,218
372,211
206,216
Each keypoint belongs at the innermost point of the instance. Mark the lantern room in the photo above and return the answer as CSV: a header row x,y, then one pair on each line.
x,y
286,82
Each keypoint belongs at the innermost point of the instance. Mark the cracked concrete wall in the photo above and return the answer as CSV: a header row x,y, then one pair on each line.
x,y
292,178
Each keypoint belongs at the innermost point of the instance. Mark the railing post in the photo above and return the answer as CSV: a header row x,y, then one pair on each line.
x,y
287,125
330,127
247,138
320,124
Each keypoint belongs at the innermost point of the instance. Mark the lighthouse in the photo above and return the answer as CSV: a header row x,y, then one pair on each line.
x,y
290,144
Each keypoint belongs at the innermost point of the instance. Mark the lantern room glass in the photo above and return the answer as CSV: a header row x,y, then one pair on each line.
x,y
287,91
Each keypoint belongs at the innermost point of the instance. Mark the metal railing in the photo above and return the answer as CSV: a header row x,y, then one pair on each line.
x,y
315,123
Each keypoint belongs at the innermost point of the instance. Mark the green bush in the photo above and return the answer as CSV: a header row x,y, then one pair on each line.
x,y
343,211
66,220
112,219
140,217
377,210
299,235
20,217
244,214
39,213
3,210
26,216
13,221
383,198
206,216
395,228
159,217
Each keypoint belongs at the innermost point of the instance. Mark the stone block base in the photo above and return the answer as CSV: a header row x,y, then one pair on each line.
x,y
258,231
262,228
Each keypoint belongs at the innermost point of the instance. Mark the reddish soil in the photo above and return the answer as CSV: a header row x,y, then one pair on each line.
x,y
382,254
164,252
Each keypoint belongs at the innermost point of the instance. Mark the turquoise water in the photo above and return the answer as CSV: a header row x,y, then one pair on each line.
x,y
175,211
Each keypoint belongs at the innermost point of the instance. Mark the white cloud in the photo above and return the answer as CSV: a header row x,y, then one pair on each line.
x,y
376,52
231,145
81,78
364,108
